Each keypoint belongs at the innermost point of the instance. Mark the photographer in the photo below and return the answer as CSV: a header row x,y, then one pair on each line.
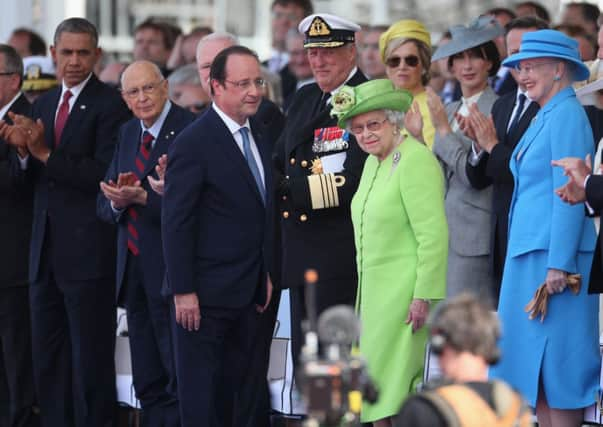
x,y
464,333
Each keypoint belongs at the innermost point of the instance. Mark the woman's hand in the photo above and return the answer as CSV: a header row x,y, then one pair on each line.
x,y
417,314
413,122
439,118
556,281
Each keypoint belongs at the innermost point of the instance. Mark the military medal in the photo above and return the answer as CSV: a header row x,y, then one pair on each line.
x,y
316,167
330,139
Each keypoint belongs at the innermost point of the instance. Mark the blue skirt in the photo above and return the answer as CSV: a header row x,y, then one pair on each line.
x,y
563,350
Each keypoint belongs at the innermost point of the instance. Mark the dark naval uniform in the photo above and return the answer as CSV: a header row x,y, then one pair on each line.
x,y
320,167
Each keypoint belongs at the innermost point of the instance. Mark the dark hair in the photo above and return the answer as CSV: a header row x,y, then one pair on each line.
x,y
495,11
305,5
217,70
487,51
590,12
36,45
539,10
12,61
78,26
169,32
525,23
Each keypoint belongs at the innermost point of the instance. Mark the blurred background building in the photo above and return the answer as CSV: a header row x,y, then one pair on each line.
x,y
249,19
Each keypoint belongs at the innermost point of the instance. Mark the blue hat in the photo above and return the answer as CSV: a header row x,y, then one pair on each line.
x,y
479,31
549,44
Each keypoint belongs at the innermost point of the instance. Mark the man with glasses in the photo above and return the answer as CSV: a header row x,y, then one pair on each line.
x,y
16,371
218,240
311,154
72,254
128,201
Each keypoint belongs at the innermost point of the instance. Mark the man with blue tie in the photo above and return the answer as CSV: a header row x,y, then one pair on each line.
x,y
72,253
127,200
217,230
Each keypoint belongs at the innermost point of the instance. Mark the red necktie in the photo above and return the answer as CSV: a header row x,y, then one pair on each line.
x,y
61,119
141,162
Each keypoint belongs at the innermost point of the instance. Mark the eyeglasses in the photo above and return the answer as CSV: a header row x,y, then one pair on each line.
x,y
147,89
410,60
7,73
372,126
530,68
246,83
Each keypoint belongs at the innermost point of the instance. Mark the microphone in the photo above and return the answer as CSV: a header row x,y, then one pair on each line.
x,y
339,325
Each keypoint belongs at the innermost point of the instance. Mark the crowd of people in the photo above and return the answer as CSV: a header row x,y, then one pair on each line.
x,y
426,184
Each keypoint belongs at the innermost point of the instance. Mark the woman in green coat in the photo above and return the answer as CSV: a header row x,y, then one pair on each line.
x,y
401,240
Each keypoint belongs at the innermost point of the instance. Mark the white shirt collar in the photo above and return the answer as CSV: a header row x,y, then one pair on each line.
x,y
333,92
155,128
472,99
5,109
232,126
75,90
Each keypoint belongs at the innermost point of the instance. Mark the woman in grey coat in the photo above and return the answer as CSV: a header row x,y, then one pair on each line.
x,y
472,58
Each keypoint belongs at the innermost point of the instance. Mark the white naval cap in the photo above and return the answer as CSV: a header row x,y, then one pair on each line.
x,y
326,30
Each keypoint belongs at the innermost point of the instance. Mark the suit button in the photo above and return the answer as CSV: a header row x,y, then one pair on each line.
x,y
285,214
304,164
303,217
292,161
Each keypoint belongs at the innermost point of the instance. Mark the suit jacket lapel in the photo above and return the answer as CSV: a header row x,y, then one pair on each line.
x,y
523,124
48,115
130,149
79,110
166,135
227,142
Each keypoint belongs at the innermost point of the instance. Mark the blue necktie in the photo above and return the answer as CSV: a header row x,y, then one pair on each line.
x,y
255,171
522,100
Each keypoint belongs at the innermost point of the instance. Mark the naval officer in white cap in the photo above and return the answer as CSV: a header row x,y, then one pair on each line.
x,y
319,166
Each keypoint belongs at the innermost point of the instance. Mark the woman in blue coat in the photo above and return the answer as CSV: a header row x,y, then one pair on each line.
x,y
554,363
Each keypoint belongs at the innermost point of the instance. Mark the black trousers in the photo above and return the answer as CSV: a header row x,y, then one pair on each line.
x,y
73,342
211,364
17,396
151,348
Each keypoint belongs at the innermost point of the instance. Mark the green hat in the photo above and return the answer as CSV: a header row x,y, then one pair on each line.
x,y
380,94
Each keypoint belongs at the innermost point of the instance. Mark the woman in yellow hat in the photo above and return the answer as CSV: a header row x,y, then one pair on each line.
x,y
406,52
401,239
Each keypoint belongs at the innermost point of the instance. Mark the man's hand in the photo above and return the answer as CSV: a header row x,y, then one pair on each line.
x,y
439,118
158,185
417,314
124,196
23,133
483,129
575,168
259,308
35,136
188,314
127,179
413,122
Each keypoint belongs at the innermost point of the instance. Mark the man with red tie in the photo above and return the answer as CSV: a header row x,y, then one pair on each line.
x,y
127,200
72,253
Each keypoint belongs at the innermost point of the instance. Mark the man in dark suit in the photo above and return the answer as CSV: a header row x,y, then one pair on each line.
x,y
584,187
17,395
489,162
72,255
217,238
317,229
128,201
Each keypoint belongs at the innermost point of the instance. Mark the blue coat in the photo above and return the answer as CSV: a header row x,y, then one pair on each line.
x,y
546,233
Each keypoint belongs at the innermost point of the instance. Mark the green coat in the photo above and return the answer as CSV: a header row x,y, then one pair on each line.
x,y
401,240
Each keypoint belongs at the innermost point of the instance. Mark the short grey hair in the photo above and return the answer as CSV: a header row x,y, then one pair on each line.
x,y
187,74
396,118
76,25
218,35
154,67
